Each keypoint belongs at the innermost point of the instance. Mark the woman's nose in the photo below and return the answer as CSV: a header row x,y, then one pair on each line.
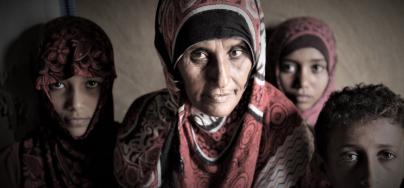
x,y
220,75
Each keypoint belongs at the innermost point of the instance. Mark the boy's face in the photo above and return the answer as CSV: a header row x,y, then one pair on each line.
x,y
366,155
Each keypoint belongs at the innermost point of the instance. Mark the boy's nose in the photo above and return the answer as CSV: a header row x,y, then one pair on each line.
x,y
369,173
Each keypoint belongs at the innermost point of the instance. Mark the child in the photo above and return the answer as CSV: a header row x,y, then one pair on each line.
x,y
359,136
301,63
73,144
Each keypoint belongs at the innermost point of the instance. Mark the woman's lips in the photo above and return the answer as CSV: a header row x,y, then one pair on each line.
x,y
218,98
303,98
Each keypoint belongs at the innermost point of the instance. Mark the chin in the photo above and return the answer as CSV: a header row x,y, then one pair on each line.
x,y
217,111
77,132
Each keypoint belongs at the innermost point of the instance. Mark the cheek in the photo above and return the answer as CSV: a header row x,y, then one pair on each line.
x,y
320,84
286,81
91,99
193,83
341,176
58,103
241,74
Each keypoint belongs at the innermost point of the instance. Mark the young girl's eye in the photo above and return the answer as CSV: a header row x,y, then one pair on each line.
x,y
349,157
287,67
386,155
56,86
317,68
92,84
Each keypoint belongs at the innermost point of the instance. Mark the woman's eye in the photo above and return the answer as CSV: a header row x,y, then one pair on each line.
x,y
349,157
199,55
92,84
386,155
288,67
56,86
236,52
316,68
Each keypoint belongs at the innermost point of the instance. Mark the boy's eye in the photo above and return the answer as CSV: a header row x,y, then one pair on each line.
x,y
349,157
317,68
288,67
56,86
92,84
386,155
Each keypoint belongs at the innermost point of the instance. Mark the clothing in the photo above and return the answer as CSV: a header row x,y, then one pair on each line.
x,y
50,156
165,141
298,33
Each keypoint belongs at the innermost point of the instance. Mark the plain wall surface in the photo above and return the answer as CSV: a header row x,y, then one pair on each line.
x,y
20,31
369,35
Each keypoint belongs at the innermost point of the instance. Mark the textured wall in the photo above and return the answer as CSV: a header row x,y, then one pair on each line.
x,y
130,25
369,36
20,30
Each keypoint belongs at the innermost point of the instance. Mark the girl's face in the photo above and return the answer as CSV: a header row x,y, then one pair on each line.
x,y
215,73
366,155
75,100
303,76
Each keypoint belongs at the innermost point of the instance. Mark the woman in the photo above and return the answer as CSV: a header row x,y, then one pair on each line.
x,y
302,64
73,145
218,123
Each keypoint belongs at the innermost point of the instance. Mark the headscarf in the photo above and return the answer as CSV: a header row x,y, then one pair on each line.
x,y
162,141
298,33
51,157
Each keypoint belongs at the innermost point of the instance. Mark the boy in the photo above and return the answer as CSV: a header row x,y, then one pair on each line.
x,y
359,136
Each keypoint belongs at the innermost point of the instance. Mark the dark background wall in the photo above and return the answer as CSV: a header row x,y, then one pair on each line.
x,y
369,33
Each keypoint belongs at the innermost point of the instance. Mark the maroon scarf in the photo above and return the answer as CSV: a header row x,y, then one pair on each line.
x,y
51,157
299,33
260,143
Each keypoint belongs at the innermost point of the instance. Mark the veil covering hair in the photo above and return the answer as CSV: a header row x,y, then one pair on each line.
x,y
298,33
50,156
166,141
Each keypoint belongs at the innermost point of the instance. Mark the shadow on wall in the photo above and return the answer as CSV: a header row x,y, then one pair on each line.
x,y
18,98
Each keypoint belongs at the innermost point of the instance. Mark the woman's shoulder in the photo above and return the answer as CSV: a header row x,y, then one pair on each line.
x,y
154,107
278,97
147,99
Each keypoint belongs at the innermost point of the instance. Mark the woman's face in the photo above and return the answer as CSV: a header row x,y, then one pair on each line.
x,y
75,100
215,73
303,76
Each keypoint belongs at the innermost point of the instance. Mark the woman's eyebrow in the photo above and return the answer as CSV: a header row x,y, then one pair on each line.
x,y
318,60
289,60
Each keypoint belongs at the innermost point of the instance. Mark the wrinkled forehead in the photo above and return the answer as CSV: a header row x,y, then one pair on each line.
x,y
172,15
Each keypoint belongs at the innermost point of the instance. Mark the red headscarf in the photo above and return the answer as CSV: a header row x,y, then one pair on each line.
x,y
299,33
51,157
161,142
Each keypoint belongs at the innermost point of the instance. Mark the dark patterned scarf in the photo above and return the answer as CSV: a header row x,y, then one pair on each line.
x,y
51,157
